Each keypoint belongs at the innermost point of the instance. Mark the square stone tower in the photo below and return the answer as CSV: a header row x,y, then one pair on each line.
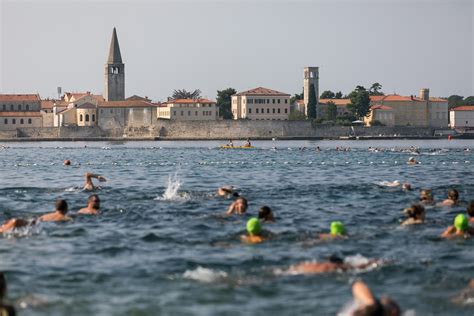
x,y
114,72
311,77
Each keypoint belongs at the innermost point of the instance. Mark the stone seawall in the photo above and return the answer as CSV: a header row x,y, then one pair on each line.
x,y
227,129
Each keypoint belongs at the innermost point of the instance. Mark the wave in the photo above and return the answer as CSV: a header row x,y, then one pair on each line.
x,y
204,275
172,190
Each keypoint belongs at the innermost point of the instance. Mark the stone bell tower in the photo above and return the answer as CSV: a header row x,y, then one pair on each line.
x,y
311,77
114,72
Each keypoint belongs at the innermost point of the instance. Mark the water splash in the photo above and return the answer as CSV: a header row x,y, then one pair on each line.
x,y
204,275
172,190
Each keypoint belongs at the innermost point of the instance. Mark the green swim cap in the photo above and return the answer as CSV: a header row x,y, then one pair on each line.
x,y
337,228
460,222
253,226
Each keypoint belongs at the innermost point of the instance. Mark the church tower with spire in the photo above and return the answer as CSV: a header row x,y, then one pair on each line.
x,y
114,72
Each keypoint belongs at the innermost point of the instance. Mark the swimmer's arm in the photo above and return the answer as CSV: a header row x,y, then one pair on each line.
x,y
448,232
231,208
89,177
362,293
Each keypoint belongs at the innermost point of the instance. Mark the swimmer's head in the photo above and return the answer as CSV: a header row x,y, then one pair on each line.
x,y
265,213
406,186
337,228
335,259
470,209
235,194
3,286
461,223
453,194
415,211
390,307
61,206
94,201
426,195
67,162
253,226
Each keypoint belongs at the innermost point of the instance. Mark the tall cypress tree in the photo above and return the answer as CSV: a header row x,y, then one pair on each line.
x,y
311,102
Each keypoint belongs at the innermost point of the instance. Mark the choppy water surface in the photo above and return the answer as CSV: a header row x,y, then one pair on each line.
x,y
161,248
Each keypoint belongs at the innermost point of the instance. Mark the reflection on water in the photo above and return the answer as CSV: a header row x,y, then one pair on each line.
x,y
161,246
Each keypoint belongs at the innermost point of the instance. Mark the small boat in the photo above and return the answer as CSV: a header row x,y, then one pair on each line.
x,y
236,147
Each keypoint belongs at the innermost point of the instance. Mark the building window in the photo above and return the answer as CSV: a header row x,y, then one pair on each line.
x,y
278,101
4,107
250,111
286,101
22,121
286,111
196,113
250,101
268,111
263,111
278,111
27,107
93,117
80,118
256,111
101,111
19,107
29,121
268,101
273,101
87,117
11,107
273,110
189,113
111,111
182,113
6,121
174,113
13,121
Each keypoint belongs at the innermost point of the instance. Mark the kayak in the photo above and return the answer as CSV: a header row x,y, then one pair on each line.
x,y
236,147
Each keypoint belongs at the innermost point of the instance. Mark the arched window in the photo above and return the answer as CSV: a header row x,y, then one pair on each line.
x,y
13,121
29,121
27,107
87,117
22,121
80,118
93,117
19,107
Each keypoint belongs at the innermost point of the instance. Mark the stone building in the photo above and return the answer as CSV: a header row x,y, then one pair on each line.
x,y
20,110
382,114
311,78
462,117
188,110
114,73
126,114
261,104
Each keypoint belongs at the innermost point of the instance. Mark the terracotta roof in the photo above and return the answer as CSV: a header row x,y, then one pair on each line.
x,y
47,104
189,101
86,105
20,114
337,102
463,108
19,97
381,107
394,97
262,91
125,104
137,97
438,100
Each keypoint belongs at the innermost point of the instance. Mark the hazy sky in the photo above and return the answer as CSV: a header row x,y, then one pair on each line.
x,y
212,45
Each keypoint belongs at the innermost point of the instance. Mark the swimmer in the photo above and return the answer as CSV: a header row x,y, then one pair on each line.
x,y
230,144
470,211
415,213
265,214
254,229
426,197
453,196
239,206
334,264
393,184
59,215
5,309
338,231
93,206
13,223
369,305
412,161
248,143
67,162
406,187
459,229
88,185
227,191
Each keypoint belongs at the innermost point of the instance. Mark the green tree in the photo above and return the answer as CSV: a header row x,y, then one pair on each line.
x,y
454,100
328,94
360,102
375,89
183,94
296,97
338,95
311,103
331,111
224,100
468,101
296,116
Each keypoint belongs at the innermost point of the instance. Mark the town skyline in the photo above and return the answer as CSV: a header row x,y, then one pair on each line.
x,y
147,76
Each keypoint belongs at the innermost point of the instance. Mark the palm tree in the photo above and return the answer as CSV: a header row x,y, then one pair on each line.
x,y
183,94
